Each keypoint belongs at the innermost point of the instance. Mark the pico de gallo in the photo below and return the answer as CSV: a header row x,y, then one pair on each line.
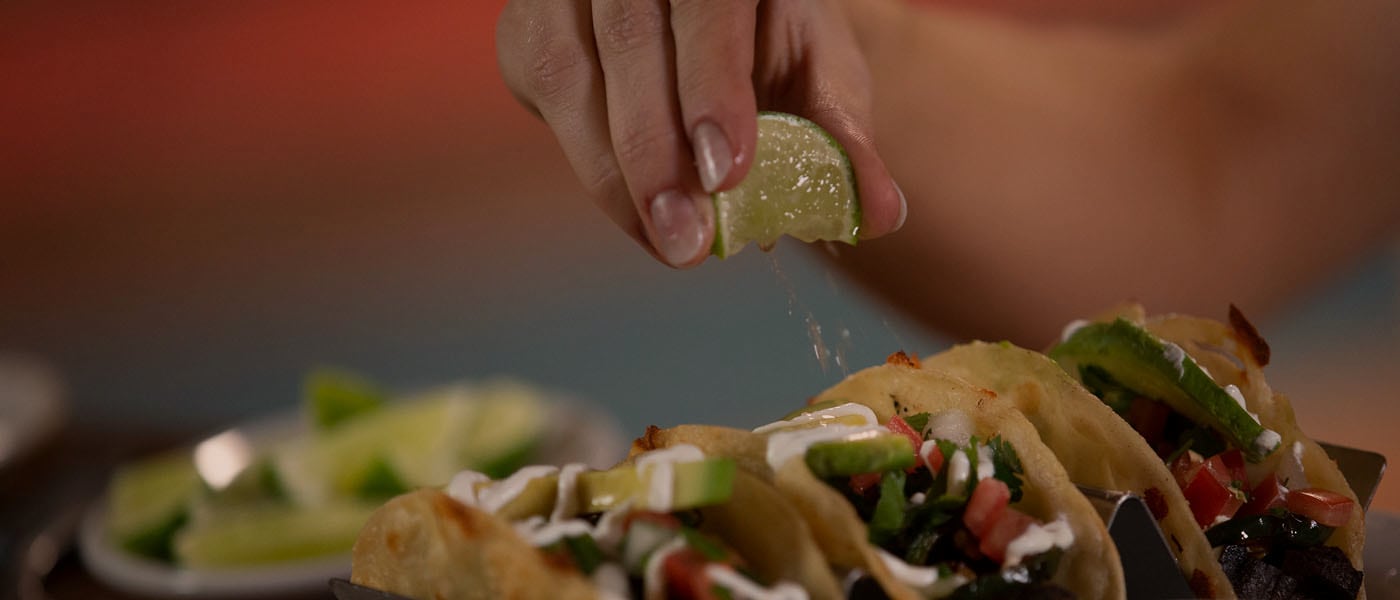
x,y
1270,526
942,510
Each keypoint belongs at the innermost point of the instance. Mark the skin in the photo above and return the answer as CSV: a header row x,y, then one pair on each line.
x,y
1056,158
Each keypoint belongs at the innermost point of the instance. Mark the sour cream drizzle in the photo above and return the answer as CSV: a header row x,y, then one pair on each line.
x,y
959,471
1176,356
502,492
566,495
985,467
1234,392
743,588
849,409
784,445
543,533
927,580
653,584
658,466
1039,538
463,486
1071,328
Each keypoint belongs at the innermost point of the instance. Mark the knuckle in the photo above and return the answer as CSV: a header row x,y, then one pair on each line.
x,y
603,180
640,145
538,59
627,26
556,67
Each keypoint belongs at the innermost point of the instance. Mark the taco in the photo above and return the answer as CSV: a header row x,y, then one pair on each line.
x,y
1097,448
674,524
1177,410
919,485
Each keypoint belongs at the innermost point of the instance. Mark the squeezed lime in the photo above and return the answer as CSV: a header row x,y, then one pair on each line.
x,y
801,185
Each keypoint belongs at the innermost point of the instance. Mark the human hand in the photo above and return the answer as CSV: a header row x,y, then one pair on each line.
x,y
654,103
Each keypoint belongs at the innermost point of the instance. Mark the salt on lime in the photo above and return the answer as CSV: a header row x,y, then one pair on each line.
x,y
801,185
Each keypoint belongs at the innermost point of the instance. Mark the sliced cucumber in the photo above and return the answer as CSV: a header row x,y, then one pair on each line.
x,y
271,534
504,430
150,500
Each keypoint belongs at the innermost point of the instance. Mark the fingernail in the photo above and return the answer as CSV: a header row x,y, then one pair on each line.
x,y
903,209
713,157
679,224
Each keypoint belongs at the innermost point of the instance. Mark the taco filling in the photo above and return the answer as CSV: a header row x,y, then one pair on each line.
x,y
634,531
937,502
1267,522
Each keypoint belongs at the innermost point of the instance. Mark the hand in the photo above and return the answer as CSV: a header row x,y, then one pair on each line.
x,y
654,102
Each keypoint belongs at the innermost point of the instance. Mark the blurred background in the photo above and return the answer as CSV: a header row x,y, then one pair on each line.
x,y
201,201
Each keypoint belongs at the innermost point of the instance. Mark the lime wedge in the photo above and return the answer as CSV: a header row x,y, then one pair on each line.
x,y
801,185
150,500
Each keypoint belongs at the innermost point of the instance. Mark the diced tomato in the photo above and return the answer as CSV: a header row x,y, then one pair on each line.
x,y
684,571
1233,462
985,507
1184,468
666,520
1266,496
1211,496
1149,419
932,457
864,481
898,426
1324,506
1010,526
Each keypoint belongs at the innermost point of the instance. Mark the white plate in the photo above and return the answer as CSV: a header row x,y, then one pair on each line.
x,y
577,432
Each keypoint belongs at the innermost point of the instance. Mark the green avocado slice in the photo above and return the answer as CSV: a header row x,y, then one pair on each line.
x,y
693,484
876,454
1161,370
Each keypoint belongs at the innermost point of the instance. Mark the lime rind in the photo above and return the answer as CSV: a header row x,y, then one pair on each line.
x,y
801,185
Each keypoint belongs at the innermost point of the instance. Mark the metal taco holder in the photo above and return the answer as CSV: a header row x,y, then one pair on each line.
x,y
1149,569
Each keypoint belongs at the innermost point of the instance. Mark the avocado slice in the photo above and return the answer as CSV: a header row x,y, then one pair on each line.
x,y
814,407
1141,362
875,454
693,484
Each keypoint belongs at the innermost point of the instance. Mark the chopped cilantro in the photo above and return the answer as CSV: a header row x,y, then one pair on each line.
x,y
888,517
720,592
1007,464
917,422
707,547
585,552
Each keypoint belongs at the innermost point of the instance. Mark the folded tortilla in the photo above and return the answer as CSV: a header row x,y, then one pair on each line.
x,y
427,545
1099,449
1090,568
